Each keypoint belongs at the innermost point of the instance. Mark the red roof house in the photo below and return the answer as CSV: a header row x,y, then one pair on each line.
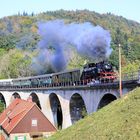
x,y
24,120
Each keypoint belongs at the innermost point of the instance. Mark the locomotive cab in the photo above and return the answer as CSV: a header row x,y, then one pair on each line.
x,y
89,72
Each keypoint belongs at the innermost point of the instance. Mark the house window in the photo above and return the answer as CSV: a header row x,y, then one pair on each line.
x,y
34,122
20,138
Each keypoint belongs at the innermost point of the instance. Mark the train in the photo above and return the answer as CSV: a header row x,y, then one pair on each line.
x,y
101,72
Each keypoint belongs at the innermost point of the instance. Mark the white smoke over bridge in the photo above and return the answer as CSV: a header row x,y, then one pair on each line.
x,y
90,41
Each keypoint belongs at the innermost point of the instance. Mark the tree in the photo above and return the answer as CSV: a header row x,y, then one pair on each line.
x,y
7,42
2,105
15,64
131,67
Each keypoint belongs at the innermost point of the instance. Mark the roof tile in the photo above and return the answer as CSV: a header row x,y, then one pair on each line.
x,y
14,113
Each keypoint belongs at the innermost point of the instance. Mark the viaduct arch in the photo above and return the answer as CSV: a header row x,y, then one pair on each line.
x,y
106,99
2,99
56,110
34,98
77,107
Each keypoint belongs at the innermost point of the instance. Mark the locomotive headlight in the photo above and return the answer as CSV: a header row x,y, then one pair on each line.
x,y
107,66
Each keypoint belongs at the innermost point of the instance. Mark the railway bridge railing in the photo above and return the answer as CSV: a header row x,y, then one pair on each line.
x,y
127,78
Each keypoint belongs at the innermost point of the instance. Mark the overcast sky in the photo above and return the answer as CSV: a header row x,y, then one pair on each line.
x,y
129,9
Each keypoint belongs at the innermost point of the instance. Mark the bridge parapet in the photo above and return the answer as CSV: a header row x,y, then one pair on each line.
x,y
132,78
114,85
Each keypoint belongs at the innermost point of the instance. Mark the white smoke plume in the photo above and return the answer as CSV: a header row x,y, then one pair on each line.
x,y
90,41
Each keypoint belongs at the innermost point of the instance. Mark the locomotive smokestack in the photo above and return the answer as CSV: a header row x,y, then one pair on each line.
x,y
90,41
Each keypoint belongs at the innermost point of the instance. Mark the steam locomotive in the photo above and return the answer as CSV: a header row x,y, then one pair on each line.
x,y
92,72
98,72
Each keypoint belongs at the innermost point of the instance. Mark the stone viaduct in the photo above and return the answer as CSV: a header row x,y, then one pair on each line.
x,y
66,104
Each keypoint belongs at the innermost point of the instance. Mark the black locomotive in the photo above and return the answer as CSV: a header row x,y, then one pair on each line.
x,y
98,72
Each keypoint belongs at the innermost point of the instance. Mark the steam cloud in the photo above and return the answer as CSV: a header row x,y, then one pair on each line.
x,y
90,41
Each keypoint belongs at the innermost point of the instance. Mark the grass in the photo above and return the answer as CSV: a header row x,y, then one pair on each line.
x,y
120,120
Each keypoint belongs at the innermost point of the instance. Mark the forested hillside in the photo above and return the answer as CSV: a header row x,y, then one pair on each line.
x,y
19,40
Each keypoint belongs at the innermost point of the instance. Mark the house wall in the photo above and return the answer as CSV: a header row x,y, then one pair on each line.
x,y
27,136
34,121
2,137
